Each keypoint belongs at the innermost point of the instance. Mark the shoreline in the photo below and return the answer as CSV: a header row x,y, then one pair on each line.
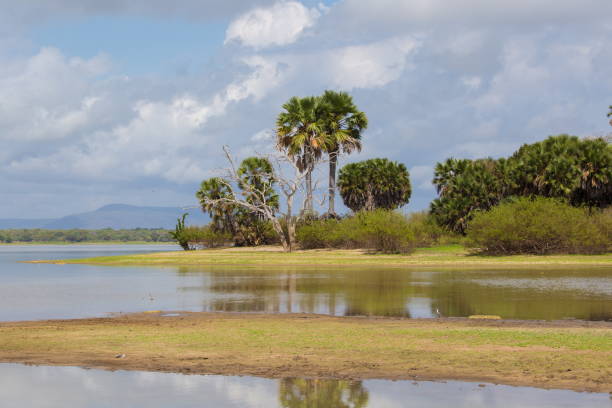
x,y
573,355
453,256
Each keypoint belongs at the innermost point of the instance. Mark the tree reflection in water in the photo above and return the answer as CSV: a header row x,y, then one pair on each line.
x,y
371,291
316,393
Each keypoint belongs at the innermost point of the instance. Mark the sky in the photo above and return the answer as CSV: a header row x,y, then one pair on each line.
x,y
131,101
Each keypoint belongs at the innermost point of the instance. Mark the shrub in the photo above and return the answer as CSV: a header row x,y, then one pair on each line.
x,y
178,233
383,231
427,232
251,231
379,230
205,237
317,234
539,226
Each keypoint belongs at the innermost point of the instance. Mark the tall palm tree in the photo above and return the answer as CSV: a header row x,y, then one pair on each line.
x,y
300,132
343,124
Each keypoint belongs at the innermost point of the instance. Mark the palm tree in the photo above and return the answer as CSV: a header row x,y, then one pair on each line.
x,y
299,131
374,183
466,186
343,124
257,181
222,215
444,174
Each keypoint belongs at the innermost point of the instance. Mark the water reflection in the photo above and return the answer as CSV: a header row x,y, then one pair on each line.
x,y
46,387
308,393
522,294
40,291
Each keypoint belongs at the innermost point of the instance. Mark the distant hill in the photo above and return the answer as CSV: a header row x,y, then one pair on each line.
x,y
115,216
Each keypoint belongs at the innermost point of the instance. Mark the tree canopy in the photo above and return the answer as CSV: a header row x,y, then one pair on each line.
x,y
565,167
299,132
256,182
313,126
221,214
374,183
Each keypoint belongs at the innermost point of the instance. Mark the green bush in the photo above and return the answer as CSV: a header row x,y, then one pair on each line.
x,y
316,234
427,232
383,231
539,226
379,230
205,237
251,231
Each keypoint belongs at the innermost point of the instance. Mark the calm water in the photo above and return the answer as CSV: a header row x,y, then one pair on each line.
x,y
45,387
41,291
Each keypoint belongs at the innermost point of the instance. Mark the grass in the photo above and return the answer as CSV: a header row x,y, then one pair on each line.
x,y
552,355
450,256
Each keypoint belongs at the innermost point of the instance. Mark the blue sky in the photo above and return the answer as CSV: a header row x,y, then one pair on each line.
x,y
104,102
137,45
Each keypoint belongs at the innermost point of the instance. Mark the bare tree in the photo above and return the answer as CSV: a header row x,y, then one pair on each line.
x,y
255,198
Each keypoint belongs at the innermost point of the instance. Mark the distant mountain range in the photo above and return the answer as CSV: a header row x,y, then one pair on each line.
x,y
115,216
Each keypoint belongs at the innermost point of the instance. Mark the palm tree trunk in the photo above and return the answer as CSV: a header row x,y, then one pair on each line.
x,y
333,163
308,163
309,206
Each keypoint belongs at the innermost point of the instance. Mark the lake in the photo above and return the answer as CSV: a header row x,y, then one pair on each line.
x,y
51,387
44,291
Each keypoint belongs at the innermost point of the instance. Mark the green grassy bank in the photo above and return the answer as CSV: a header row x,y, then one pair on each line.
x,y
447,256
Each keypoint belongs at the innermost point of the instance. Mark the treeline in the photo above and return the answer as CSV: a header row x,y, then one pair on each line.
x,y
80,235
577,171
548,197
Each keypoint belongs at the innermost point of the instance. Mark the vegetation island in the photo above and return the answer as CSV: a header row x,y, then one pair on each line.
x,y
550,198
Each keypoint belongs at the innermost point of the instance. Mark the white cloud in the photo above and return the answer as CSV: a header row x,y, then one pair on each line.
x,y
162,138
264,135
266,76
520,70
281,24
49,96
372,65
367,66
